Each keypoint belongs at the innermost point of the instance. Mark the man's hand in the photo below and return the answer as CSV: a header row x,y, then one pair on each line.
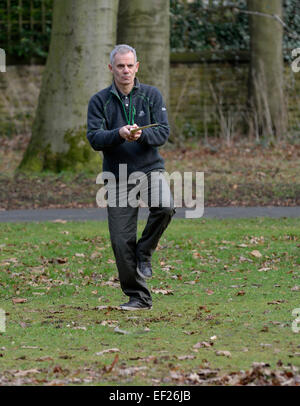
x,y
127,135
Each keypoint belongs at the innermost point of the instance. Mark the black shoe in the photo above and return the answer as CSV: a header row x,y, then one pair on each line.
x,y
144,269
134,304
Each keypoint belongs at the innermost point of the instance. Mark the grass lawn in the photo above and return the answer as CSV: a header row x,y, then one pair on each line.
x,y
223,296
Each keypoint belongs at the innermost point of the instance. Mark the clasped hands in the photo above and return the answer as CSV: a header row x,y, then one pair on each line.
x,y
127,134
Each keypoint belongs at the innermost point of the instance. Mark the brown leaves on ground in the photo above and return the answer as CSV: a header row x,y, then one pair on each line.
x,y
18,300
243,174
108,350
202,344
259,374
256,254
162,291
224,353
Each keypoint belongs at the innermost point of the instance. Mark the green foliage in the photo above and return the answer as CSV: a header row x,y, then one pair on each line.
x,y
291,16
197,27
25,32
194,26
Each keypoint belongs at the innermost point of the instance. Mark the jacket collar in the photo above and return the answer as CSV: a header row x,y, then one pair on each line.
x,y
114,89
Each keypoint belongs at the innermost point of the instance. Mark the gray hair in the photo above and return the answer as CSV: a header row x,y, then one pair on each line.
x,y
121,49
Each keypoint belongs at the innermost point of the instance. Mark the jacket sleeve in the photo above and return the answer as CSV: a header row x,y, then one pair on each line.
x,y
156,136
97,133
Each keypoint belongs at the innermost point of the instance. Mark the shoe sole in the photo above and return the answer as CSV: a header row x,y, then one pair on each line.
x,y
130,308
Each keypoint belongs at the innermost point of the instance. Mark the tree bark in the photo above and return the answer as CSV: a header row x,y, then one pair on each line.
x,y
266,95
83,34
145,25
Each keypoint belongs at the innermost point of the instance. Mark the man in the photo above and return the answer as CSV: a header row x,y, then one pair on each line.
x,y
112,115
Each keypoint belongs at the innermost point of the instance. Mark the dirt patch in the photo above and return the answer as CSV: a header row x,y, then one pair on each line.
x,y
243,174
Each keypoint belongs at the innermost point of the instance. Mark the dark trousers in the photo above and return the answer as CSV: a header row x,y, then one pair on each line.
x,y
122,223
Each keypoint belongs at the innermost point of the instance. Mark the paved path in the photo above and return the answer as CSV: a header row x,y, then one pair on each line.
x,y
99,214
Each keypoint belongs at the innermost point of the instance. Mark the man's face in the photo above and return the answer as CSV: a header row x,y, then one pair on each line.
x,y
124,69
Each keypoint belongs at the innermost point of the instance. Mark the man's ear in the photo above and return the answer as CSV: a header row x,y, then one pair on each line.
x,y
110,67
137,66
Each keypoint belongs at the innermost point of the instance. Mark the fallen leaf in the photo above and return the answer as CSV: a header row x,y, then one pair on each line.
x,y
203,344
224,353
241,293
19,300
108,307
119,331
243,259
66,356
265,345
256,254
191,282
131,370
197,255
276,302
27,372
57,369
184,357
109,350
109,323
61,260
209,292
79,328
95,255
59,221
163,291
22,357
45,358
110,283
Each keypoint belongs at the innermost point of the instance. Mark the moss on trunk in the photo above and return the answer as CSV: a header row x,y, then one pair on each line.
x,y
78,157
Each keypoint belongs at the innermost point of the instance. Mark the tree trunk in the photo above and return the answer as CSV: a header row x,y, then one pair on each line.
x,y
145,25
83,34
266,95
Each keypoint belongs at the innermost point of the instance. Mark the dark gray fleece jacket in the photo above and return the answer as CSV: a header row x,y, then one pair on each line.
x,y
106,116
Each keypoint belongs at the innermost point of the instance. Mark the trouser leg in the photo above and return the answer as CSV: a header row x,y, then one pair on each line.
x,y
159,195
122,223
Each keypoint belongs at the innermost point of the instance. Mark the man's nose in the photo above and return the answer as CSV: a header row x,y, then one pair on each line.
x,y
125,70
